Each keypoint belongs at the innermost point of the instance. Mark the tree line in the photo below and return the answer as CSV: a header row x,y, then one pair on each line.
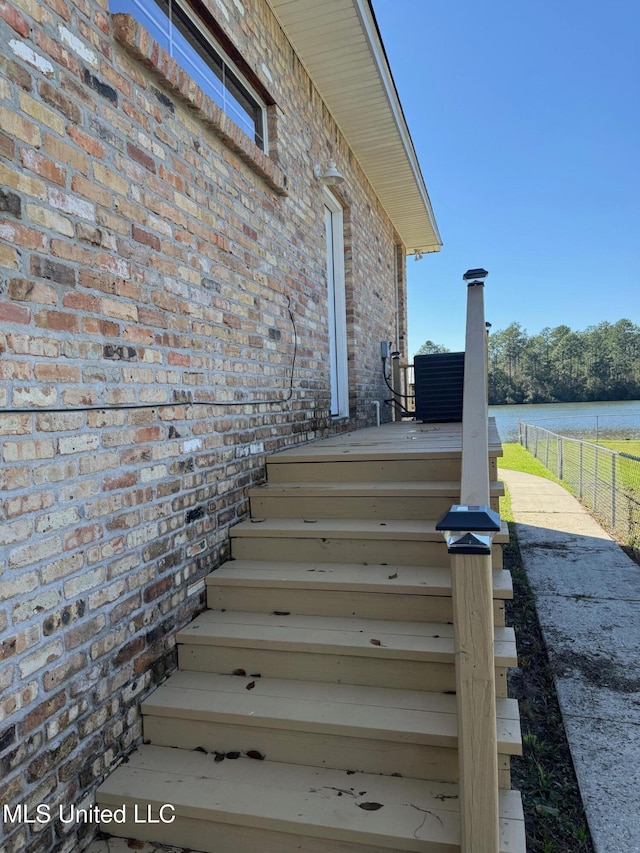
x,y
561,365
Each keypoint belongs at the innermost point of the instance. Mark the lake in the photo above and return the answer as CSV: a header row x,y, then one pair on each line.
x,y
581,420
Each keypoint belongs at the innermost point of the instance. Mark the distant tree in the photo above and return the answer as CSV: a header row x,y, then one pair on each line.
x,y
428,348
560,365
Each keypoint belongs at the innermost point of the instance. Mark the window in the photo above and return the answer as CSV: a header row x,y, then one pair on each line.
x,y
177,29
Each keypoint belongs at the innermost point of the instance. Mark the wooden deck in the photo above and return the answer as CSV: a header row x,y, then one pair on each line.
x,y
400,440
327,652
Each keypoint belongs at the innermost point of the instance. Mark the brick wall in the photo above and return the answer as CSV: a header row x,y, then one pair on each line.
x,y
151,261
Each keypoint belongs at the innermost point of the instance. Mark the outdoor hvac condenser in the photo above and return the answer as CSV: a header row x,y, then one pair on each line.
x,y
438,381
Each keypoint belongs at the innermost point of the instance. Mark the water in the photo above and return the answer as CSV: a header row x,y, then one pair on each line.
x,y
618,420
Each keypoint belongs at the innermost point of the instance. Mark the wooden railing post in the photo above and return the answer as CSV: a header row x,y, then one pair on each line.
x,y
472,596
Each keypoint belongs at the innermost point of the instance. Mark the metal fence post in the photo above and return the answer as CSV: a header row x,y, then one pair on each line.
x,y
613,490
580,472
560,460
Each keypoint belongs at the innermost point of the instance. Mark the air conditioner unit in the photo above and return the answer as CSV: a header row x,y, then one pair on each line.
x,y
439,380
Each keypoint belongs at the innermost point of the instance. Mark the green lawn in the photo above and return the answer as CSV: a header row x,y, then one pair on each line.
x,y
516,458
631,446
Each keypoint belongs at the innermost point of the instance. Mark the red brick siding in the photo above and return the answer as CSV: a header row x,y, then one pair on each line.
x,y
147,265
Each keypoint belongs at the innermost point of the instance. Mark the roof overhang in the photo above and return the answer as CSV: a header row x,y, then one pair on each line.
x,y
339,44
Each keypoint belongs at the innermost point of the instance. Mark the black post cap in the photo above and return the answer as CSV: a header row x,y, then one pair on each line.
x,y
471,518
473,274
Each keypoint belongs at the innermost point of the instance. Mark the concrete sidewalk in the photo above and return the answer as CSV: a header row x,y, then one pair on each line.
x,y
588,600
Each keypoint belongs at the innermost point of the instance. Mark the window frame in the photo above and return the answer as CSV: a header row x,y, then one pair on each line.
x,y
208,50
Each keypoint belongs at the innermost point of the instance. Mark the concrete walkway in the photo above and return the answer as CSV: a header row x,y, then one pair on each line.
x,y
588,599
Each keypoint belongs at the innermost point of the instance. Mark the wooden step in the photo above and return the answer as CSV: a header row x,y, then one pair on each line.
x,y
381,500
368,729
245,805
411,543
283,470
412,593
354,651
406,451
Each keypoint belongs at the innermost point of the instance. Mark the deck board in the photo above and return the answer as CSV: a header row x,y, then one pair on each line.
x,y
402,488
346,528
335,636
302,801
402,440
397,579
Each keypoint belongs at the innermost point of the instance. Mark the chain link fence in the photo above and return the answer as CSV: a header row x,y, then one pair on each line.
x,y
606,481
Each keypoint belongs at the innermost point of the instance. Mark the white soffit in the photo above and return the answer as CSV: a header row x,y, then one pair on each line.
x,y
338,43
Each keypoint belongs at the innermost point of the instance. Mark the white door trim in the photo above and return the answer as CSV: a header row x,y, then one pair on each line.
x,y
337,305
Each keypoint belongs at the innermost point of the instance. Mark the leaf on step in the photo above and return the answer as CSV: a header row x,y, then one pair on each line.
x,y
376,642
239,672
351,772
255,675
219,756
281,613
370,807
310,520
253,753
393,576
232,755
132,844
256,520
199,749
251,685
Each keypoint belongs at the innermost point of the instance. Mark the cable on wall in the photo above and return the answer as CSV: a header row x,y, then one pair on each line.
x,y
128,406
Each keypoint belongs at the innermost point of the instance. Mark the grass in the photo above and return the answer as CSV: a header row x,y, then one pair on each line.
x,y
631,446
516,458
554,815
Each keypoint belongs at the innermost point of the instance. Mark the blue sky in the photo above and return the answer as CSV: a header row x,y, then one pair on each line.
x,y
525,115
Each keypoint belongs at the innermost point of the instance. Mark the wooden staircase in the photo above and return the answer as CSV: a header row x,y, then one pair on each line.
x,y
314,707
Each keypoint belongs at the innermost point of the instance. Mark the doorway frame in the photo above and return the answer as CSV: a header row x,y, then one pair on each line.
x,y
337,306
